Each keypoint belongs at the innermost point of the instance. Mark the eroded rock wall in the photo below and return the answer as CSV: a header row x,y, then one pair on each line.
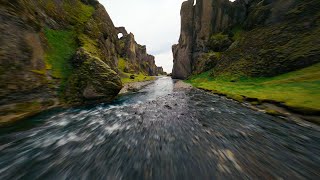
x,y
55,53
135,55
182,63
198,22
246,37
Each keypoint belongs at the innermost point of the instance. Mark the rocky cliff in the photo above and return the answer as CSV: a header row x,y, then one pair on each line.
x,y
135,57
59,52
247,37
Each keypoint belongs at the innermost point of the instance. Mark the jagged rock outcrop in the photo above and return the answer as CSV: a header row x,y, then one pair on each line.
x,y
246,37
135,55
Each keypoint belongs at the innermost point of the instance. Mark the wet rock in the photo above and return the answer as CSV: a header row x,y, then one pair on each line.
x,y
168,107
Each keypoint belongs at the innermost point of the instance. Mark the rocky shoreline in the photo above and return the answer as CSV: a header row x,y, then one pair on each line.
x,y
15,117
134,86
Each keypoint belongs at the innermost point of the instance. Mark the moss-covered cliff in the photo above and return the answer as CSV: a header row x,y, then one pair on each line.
x,y
56,52
252,49
247,37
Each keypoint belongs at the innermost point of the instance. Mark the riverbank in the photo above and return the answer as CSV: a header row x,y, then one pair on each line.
x,y
271,108
160,132
134,86
295,93
18,111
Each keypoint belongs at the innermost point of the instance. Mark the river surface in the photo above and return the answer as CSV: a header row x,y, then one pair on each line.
x,y
160,133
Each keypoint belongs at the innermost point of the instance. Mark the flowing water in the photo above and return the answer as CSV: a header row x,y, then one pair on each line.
x,y
160,133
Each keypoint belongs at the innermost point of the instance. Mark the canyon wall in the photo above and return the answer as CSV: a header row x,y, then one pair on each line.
x,y
246,37
59,53
135,56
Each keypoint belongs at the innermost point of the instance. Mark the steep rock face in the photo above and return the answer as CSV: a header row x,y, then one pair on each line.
x,y
135,55
182,63
247,37
56,53
160,71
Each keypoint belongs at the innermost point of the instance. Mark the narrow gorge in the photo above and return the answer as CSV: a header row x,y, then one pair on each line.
x,y
64,53
80,98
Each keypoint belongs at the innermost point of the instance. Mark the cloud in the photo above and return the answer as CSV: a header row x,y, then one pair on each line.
x,y
155,23
162,60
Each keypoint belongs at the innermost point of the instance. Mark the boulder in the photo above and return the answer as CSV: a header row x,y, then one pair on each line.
x,y
92,81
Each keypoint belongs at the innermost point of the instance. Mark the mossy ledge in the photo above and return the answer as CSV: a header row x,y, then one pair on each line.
x,y
296,91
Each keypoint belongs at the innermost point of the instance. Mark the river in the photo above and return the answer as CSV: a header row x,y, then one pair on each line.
x,y
160,133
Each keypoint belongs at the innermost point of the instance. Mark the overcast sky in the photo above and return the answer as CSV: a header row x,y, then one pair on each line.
x,y
155,23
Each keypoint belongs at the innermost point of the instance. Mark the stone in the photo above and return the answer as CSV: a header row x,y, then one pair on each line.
x,y
93,80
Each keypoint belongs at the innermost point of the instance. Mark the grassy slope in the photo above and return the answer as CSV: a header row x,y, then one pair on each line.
x,y
125,78
62,44
299,90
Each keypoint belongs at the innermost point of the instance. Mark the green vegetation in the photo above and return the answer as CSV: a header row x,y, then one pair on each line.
x,y
299,90
137,78
62,46
89,45
78,13
122,64
237,33
219,42
63,43
74,12
125,77
93,74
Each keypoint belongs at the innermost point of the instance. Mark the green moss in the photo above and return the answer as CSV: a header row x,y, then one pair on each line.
x,y
122,44
78,13
93,73
74,12
125,78
272,112
62,46
40,72
122,64
237,32
138,78
299,90
219,42
236,97
89,45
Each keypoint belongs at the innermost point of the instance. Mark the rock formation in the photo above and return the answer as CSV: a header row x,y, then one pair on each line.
x,y
135,55
246,37
60,53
